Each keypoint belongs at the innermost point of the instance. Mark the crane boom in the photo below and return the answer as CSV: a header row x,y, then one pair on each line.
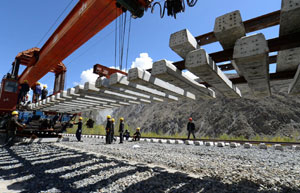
x,y
86,19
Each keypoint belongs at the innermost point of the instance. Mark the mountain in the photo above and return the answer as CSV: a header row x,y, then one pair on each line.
x,y
278,114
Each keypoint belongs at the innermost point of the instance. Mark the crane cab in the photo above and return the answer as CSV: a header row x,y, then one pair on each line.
x,y
8,93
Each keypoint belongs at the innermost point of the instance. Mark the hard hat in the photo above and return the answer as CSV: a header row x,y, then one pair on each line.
x,y
15,113
138,128
38,83
25,81
80,118
121,119
190,119
44,86
108,116
113,120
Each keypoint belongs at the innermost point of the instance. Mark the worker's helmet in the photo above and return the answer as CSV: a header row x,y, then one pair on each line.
x,y
80,118
25,81
190,119
138,128
108,116
15,113
44,86
38,83
113,120
121,119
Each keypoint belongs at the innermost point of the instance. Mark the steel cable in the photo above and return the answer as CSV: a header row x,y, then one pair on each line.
x,y
129,29
123,40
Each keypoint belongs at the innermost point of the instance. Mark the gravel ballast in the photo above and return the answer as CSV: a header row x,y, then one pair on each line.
x,y
92,166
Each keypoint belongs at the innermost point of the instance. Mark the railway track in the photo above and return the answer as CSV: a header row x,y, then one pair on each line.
x,y
194,141
54,134
33,133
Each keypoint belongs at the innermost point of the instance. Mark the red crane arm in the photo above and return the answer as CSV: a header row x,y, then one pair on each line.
x,y
86,19
106,71
28,57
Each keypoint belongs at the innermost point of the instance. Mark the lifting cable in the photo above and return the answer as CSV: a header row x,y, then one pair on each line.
x,y
120,38
99,40
120,41
104,37
128,41
93,45
54,23
116,35
123,40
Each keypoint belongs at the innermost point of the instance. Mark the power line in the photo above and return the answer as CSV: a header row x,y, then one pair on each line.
x,y
54,23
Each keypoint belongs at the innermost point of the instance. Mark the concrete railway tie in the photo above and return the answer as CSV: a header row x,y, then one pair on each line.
x,y
220,144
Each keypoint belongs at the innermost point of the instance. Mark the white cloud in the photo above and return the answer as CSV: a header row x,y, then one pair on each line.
x,y
87,76
190,75
75,83
144,61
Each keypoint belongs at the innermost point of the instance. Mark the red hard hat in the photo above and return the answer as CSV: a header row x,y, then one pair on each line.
x,y
190,119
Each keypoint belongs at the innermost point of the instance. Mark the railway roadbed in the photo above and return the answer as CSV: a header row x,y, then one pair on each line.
x,y
92,166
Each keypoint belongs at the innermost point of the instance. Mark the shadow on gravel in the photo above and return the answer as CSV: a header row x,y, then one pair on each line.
x,y
162,181
43,181
179,182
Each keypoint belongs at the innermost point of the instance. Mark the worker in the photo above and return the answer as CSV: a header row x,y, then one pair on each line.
x,y
191,128
121,129
90,123
112,133
12,127
35,117
26,100
79,129
24,89
44,92
108,130
137,134
126,134
37,91
54,120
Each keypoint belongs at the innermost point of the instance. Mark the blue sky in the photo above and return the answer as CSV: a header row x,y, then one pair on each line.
x,y
24,23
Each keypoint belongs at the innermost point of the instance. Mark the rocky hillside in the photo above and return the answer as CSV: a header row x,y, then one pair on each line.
x,y
275,115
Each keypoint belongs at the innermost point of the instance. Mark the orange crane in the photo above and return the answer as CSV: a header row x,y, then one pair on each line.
x,y
86,19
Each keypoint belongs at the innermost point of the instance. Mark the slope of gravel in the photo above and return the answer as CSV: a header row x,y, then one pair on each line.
x,y
247,116
91,166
